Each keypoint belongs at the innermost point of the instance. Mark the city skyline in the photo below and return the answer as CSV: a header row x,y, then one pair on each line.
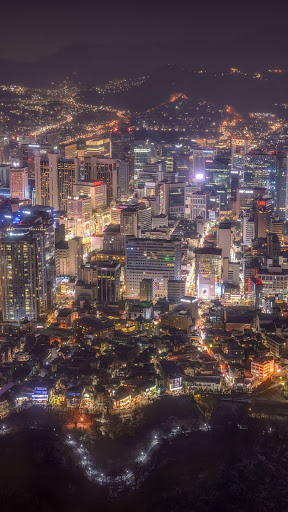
x,y
143,257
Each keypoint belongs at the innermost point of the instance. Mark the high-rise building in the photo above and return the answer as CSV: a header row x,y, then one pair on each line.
x,y
79,208
69,257
234,183
208,272
256,293
231,272
224,239
276,226
104,278
142,156
172,197
105,170
239,150
281,193
42,180
122,142
199,164
273,246
4,175
62,258
261,219
67,172
19,183
114,241
97,190
248,229
129,221
99,145
23,275
176,290
144,217
75,255
55,179
152,172
260,170
79,216
108,281
199,205
123,176
245,198
151,259
147,290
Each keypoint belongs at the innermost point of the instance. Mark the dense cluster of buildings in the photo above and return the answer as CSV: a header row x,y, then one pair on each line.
x,y
131,268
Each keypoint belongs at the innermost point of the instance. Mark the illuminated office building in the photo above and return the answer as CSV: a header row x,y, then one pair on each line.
x,y
100,146
276,227
19,183
260,170
159,260
245,198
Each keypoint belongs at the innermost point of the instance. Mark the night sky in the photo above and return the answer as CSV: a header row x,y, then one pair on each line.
x,y
212,34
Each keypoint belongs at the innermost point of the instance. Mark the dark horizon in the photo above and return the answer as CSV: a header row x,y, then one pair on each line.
x,y
143,38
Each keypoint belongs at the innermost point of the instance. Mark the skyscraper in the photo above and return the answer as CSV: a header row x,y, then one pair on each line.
x,y
23,275
260,170
129,221
55,178
239,149
172,198
142,156
199,165
122,141
108,281
224,239
105,170
208,272
281,193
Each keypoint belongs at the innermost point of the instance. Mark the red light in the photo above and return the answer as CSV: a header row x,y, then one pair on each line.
x,y
259,281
